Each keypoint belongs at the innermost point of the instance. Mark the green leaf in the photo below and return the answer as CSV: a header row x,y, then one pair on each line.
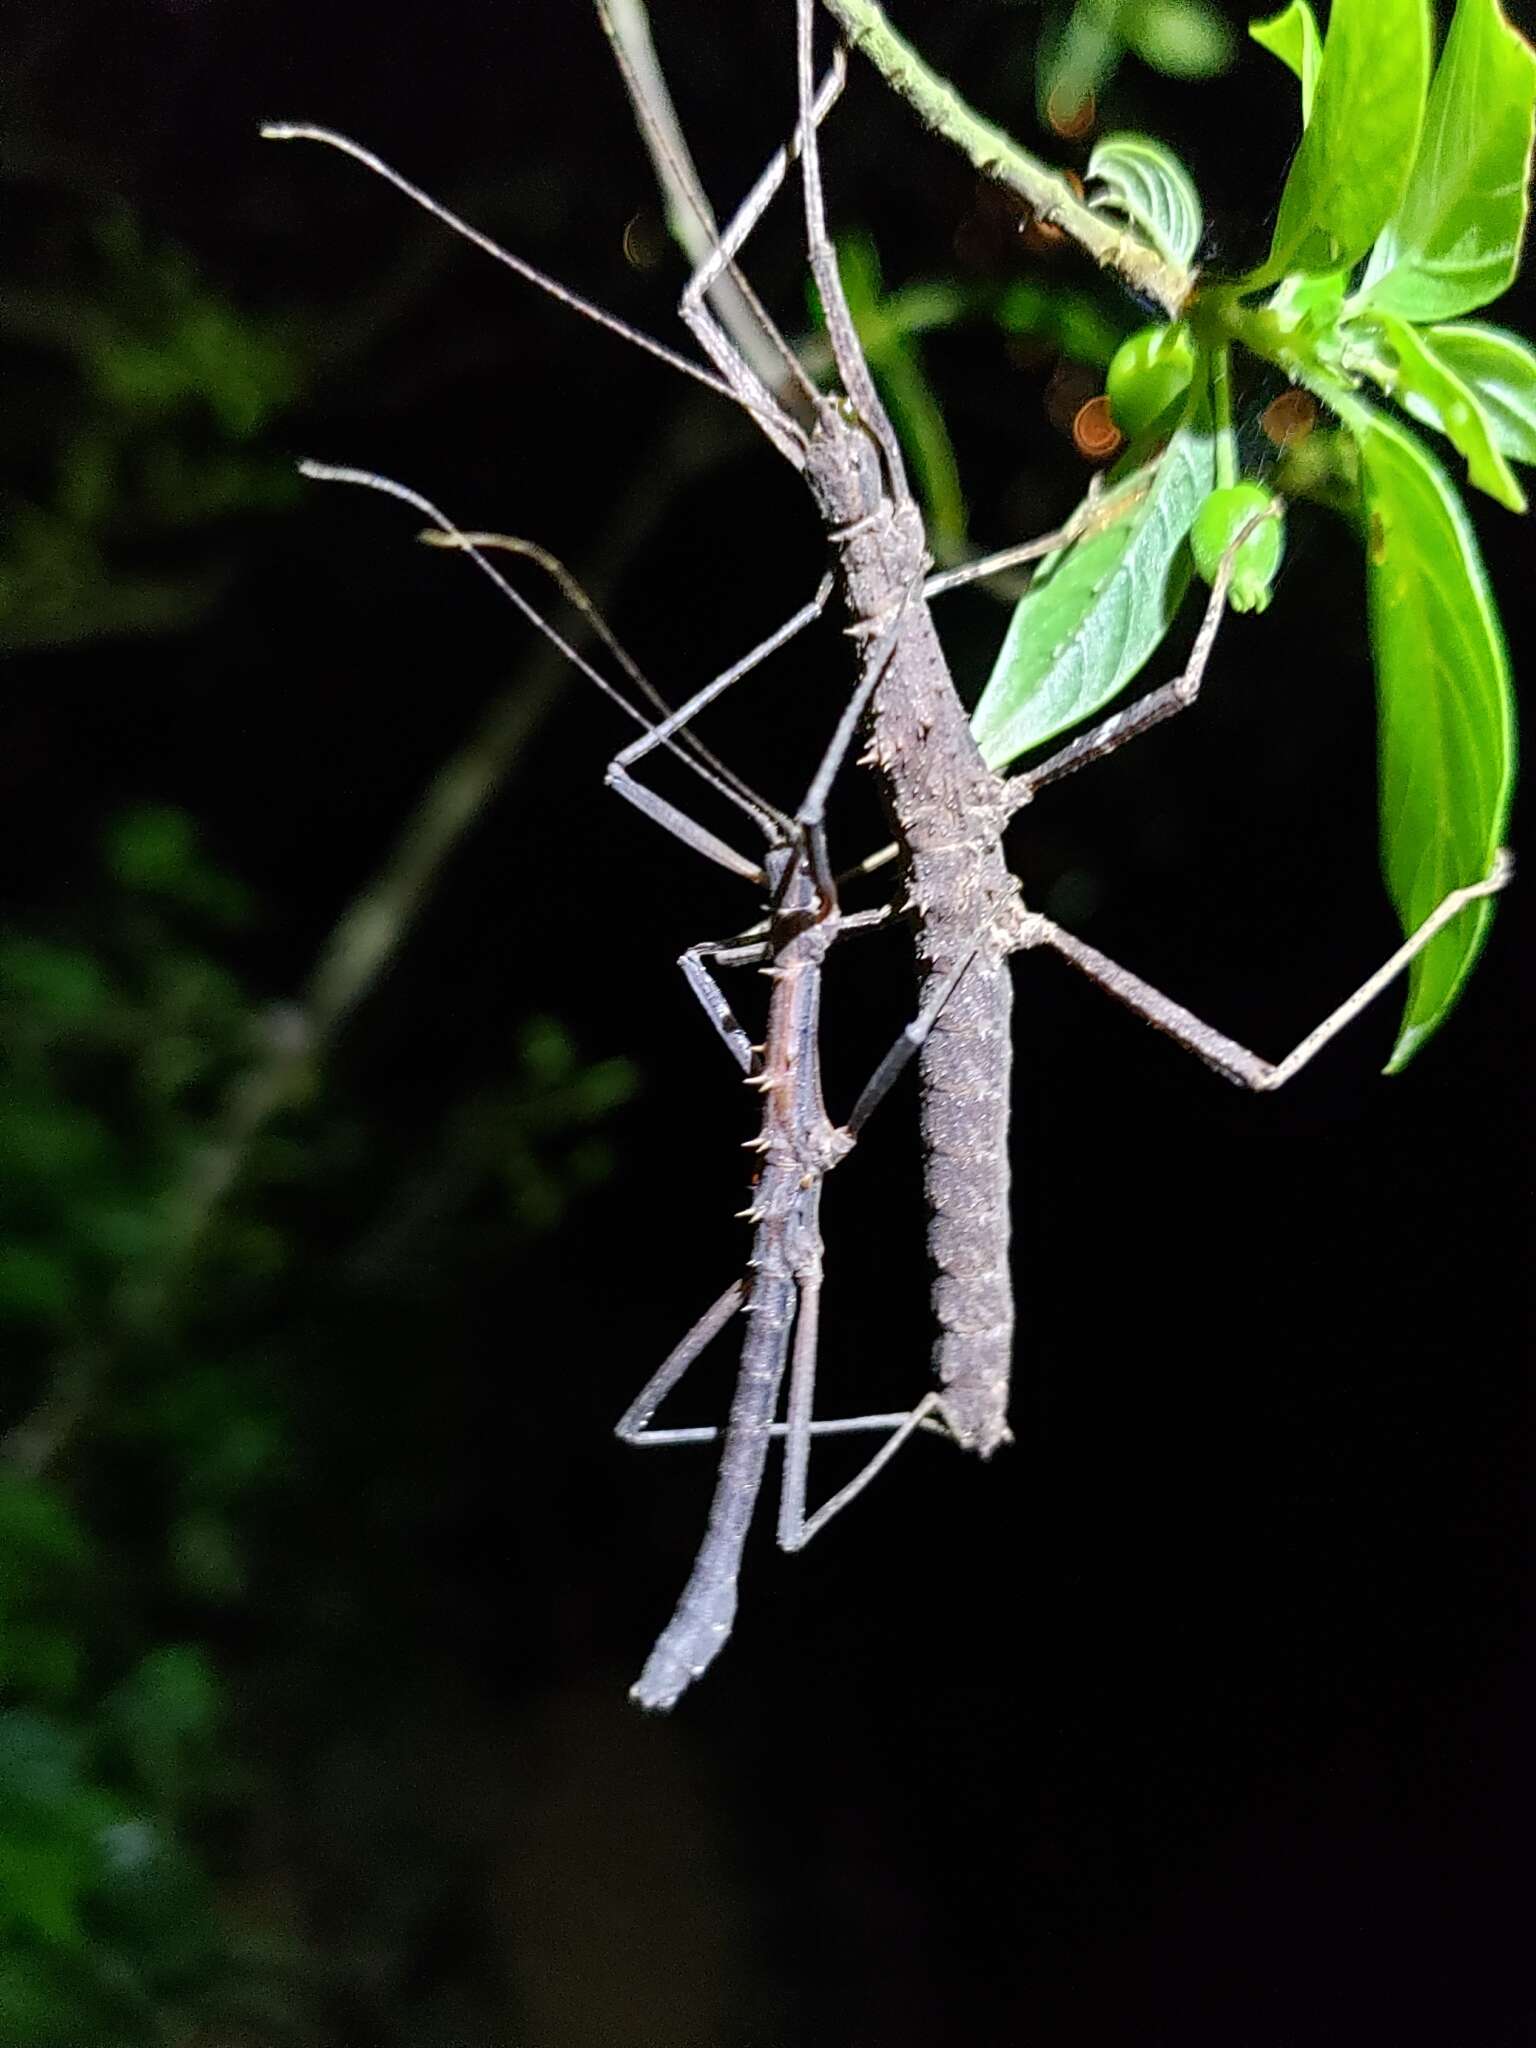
x,y
1293,37
1352,168
1180,38
1446,712
1099,610
1422,374
1500,369
1454,243
1147,183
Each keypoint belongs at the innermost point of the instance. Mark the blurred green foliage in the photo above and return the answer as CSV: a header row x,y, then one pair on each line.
x,y
156,440
1084,49
151,1430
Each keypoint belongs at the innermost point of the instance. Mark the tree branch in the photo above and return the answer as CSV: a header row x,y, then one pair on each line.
x,y
996,155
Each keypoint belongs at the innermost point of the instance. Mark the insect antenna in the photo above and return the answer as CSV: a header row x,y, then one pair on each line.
x,y
580,601
298,131
681,743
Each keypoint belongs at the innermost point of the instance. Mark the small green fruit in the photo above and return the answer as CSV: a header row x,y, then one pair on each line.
x,y
1217,525
1149,373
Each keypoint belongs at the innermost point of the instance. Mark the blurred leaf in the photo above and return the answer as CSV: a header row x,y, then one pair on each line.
x,y
1181,38
896,365
39,1767
43,1882
40,1661
49,1141
1070,321
207,1559
150,848
161,1718
37,1287
67,985
37,1525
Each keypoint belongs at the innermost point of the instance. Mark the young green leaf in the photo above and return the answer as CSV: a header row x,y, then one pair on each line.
x,y
1147,183
1454,243
1293,37
1422,374
1446,712
1097,611
1500,369
1351,170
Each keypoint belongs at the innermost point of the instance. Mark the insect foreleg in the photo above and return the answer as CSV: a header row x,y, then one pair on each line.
x,y
1159,704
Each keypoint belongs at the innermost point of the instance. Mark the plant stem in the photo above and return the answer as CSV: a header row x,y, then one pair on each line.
x,y
1221,403
996,155
690,219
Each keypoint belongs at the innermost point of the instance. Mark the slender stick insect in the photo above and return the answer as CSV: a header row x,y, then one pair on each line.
x,y
798,1143
948,811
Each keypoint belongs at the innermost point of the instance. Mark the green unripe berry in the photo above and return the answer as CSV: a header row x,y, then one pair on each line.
x,y
1149,373
1217,525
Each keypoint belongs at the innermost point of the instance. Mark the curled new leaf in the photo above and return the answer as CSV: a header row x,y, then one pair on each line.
x,y
1148,185
1499,369
1454,242
1100,609
1446,713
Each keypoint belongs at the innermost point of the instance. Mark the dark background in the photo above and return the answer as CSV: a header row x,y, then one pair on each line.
x,y
1202,1714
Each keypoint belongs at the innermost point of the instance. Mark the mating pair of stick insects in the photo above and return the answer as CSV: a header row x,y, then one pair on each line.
x,y
948,811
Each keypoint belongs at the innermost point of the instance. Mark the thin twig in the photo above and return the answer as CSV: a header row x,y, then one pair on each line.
x,y
368,935
996,155
690,218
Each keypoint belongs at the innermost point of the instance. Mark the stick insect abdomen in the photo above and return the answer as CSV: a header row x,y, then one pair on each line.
x,y
799,1145
707,1609
947,814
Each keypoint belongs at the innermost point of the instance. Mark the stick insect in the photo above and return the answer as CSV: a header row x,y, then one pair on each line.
x,y
948,810
798,1144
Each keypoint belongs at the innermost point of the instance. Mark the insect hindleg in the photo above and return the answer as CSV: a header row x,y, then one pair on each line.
x,y
1235,1062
